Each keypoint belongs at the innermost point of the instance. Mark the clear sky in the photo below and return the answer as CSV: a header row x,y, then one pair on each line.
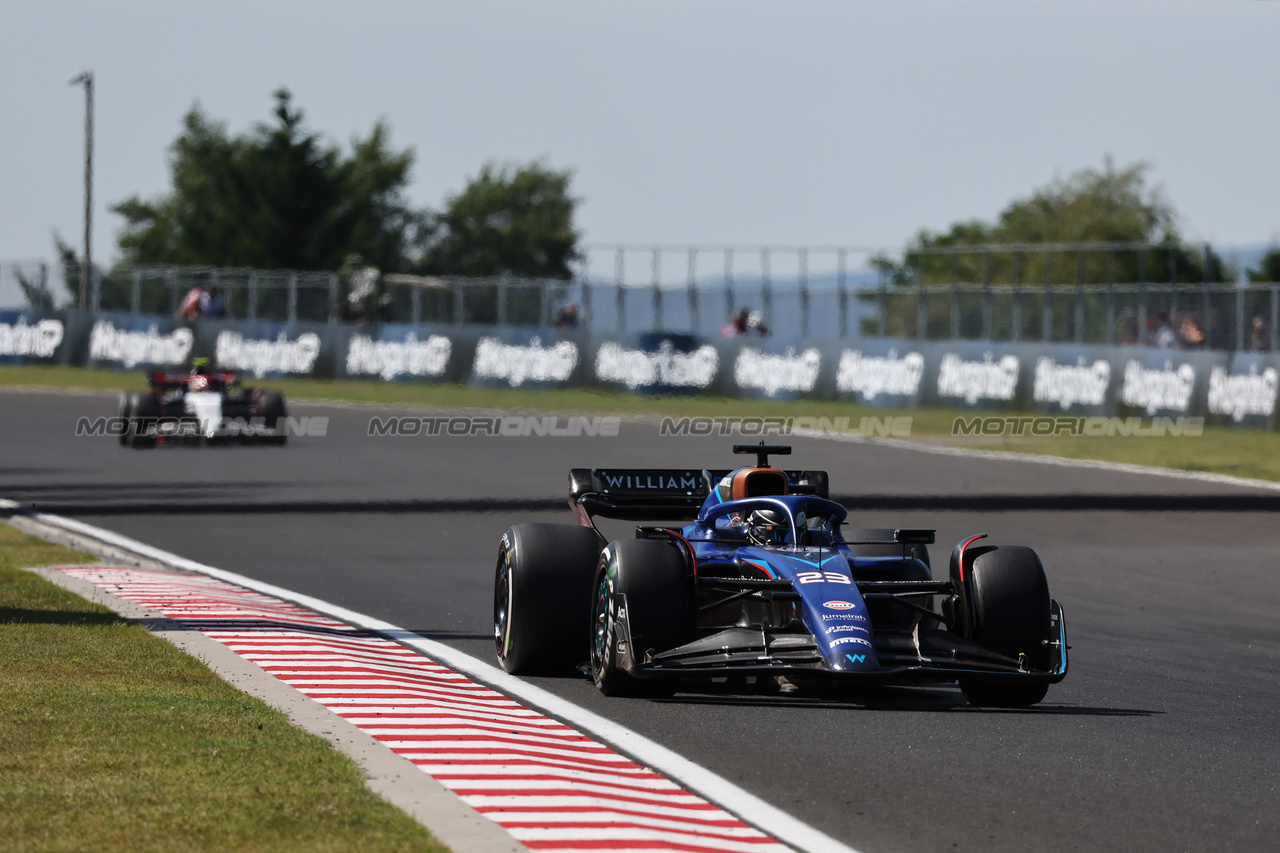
x,y
699,121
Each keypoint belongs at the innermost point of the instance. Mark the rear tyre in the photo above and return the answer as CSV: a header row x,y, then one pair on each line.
x,y
124,411
1011,615
651,575
144,415
272,410
542,597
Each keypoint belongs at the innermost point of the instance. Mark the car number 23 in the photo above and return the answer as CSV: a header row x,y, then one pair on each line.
x,y
822,577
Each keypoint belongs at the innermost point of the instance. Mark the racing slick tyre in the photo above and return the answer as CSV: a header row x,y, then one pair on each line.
x,y
1011,615
542,596
652,576
124,411
143,411
274,415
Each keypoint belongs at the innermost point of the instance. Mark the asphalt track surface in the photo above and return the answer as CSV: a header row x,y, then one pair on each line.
x,y
1165,735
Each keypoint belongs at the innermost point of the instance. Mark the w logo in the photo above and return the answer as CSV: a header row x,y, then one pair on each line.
x,y
857,658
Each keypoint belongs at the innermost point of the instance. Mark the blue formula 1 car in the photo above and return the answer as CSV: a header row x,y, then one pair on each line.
x,y
765,580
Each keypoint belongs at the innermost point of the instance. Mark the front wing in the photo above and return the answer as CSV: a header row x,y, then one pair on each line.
x,y
918,656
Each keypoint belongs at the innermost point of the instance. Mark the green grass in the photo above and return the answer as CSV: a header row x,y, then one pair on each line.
x,y
1225,450
114,740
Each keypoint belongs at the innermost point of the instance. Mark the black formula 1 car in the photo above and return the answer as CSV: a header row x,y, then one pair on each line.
x,y
765,580
201,406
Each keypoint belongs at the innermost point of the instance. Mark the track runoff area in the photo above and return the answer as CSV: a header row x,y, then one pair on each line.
x,y
554,776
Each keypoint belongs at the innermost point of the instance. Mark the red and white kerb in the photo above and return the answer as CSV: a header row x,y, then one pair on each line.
x,y
547,784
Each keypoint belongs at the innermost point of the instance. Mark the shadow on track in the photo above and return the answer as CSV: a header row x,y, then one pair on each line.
x,y
177,502
936,701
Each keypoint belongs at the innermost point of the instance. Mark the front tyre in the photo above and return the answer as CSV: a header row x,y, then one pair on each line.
x,y
272,410
143,420
648,578
542,596
1010,611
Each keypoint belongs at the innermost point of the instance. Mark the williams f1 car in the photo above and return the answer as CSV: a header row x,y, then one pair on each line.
x,y
201,406
766,580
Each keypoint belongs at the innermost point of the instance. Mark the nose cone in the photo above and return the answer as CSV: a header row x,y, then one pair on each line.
x,y
833,609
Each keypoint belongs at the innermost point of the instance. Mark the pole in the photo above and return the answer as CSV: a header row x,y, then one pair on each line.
x,y
85,78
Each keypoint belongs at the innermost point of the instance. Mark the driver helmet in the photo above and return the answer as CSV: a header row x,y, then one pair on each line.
x,y
768,527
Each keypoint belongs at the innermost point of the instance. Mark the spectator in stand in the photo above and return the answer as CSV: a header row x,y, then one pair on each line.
x,y
567,318
194,303
737,324
1159,333
213,308
1190,333
755,324
1258,341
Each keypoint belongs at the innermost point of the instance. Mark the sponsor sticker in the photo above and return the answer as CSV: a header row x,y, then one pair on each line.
x,y
837,629
839,605
857,641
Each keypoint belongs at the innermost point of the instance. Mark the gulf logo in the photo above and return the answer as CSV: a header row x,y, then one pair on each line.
x,y
839,605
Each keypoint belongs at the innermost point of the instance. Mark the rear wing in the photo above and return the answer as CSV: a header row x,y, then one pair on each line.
x,y
661,494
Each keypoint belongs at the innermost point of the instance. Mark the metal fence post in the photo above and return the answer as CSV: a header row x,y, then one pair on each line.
x,y
692,292
588,319
1205,299
293,297
135,296
415,305
1239,318
655,273
922,306
884,304
728,283
1275,314
987,307
1142,296
804,293
1079,318
1111,297
459,303
620,297
1016,319
955,296
173,290
252,297
842,295
333,297
766,289
502,300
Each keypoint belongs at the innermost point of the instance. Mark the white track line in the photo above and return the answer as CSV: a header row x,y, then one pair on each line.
x,y
1044,459
718,790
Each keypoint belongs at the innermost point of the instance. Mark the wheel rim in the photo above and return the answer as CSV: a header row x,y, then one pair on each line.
x,y
502,607
600,637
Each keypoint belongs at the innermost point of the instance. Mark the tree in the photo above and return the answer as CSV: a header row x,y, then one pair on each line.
x,y
1107,205
1268,268
278,197
508,220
